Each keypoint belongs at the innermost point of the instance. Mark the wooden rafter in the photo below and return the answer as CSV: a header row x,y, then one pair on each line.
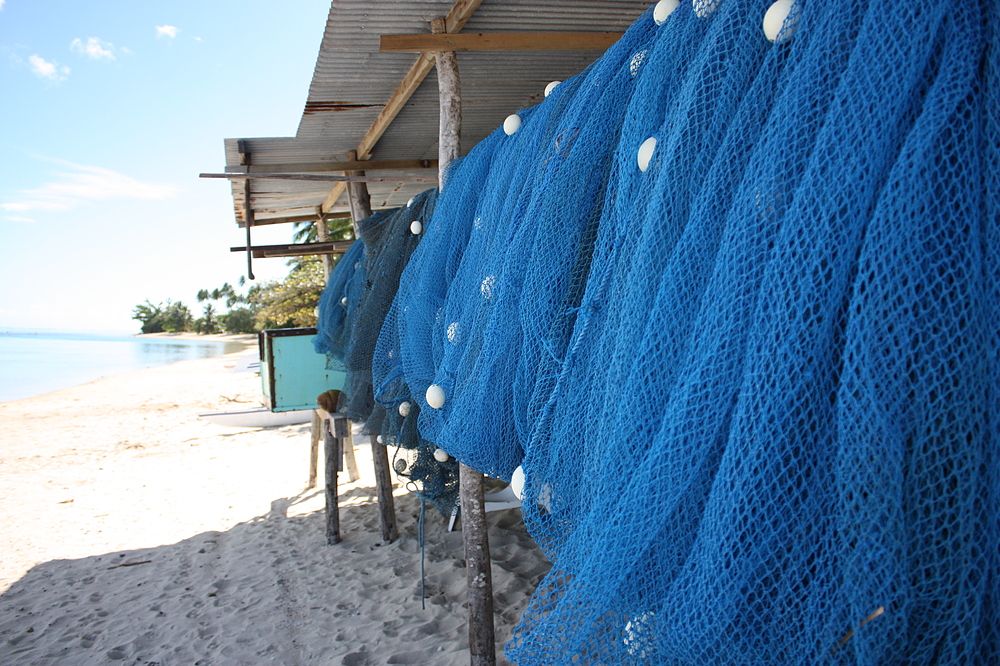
x,y
295,249
455,20
500,41
323,167
320,177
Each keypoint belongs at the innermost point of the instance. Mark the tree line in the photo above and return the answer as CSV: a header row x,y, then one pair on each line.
x,y
287,303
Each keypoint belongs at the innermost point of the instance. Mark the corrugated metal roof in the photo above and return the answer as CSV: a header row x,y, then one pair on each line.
x,y
352,82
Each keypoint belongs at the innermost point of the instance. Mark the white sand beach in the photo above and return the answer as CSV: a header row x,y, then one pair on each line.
x,y
133,532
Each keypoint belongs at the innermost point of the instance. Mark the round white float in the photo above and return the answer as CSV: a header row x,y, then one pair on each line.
x,y
517,482
343,301
512,124
441,455
645,153
379,439
416,227
404,408
551,86
663,9
774,19
435,396
410,202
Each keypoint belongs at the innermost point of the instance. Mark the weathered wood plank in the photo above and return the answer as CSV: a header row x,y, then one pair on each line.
x,y
261,221
247,223
320,167
318,177
455,20
499,41
296,249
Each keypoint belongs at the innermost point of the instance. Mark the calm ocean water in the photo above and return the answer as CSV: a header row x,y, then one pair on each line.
x,y
36,362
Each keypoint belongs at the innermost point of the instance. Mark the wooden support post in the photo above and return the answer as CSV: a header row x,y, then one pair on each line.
x,y
248,222
357,192
333,454
450,102
349,462
482,650
323,235
383,489
361,207
317,432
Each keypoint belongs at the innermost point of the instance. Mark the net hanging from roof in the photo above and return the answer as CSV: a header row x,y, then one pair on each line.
x,y
753,385
352,309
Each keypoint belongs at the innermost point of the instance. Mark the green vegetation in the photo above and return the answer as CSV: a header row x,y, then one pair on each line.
x,y
287,303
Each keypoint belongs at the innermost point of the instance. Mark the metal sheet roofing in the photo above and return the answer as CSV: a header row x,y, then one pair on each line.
x,y
353,81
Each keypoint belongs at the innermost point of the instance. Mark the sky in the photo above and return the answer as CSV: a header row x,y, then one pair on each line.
x,y
109,110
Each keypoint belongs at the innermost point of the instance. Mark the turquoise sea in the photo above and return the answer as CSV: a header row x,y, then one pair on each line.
x,y
41,361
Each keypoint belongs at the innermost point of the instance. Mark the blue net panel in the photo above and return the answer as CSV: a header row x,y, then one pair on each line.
x,y
731,299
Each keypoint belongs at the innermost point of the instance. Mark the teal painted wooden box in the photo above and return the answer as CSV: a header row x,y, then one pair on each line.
x,y
291,371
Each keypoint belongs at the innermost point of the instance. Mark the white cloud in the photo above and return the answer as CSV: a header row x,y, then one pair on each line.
x,y
94,48
84,185
167,31
47,70
1,4
18,218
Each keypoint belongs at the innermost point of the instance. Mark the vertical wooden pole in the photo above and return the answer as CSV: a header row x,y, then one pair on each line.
x,y
323,235
358,197
361,207
482,649
450,105
349,462
383,489
317,432
332,451
248,221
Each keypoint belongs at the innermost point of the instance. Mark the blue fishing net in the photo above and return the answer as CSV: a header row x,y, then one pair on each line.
x,y
331,332
388,238
753,387
352,310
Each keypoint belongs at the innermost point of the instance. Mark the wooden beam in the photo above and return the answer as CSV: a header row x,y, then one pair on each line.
x,y
319,177
455,20
322,167
499,41
241,146
331,198
295,249
261,221
248,222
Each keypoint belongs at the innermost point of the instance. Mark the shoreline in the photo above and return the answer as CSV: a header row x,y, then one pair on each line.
x,y
249,339
133,531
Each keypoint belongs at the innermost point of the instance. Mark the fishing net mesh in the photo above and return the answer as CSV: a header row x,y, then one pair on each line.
x,y
753,387
352,310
